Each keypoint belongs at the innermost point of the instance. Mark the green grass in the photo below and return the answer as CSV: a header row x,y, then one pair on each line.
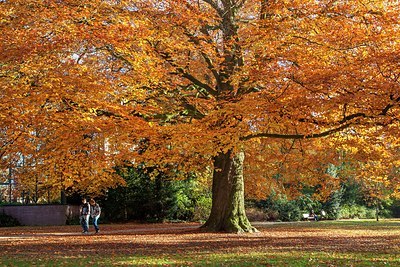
x,y
249,259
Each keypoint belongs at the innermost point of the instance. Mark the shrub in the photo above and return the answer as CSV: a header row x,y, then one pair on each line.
x,y
256,214
280,208
150,195
395,208
333,205
73,220
8,221
356,212
385,213
288,210
202,208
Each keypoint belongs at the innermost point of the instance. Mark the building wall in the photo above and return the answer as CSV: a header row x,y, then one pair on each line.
x,y
41,214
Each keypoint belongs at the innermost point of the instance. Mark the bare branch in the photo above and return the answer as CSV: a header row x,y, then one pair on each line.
x,y
346,122
111,50
197,82
328,46
240,3
215,6
389,106
296,136
8,143
187,75
207,59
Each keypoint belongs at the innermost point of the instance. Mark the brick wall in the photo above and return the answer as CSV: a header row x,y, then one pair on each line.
x,y
41,214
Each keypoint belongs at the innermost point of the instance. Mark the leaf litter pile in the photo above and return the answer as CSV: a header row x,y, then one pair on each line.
x,y
322,240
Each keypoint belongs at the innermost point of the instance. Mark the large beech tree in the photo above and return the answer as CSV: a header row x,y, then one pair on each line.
x,y
86,85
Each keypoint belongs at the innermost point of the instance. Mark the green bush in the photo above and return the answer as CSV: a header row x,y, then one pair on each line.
x,y
202,208
347,202
150,195
289,210
307,204
395,208
280,208
385,213
73,220
256,214
8,221
356,211
332,205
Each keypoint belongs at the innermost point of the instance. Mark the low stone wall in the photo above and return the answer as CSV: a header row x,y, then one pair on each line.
x,y
41,214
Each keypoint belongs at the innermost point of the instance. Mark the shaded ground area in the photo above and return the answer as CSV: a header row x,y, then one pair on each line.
x,y
378,241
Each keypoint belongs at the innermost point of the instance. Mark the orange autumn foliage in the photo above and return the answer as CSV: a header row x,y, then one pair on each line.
x,y
87,85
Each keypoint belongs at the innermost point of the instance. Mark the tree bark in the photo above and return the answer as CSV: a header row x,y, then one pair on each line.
x,y
228,212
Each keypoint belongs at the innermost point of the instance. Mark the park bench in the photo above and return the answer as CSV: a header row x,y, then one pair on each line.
x,y
307,216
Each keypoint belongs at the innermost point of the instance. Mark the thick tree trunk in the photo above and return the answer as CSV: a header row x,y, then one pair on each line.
x,y
228,212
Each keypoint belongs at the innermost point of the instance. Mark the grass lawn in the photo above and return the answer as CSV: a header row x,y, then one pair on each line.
x,y
326,243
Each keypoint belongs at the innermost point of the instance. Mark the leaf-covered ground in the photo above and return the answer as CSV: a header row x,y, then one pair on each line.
x,y
342,243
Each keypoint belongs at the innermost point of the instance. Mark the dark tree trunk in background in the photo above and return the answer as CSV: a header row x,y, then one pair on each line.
x,y
63,197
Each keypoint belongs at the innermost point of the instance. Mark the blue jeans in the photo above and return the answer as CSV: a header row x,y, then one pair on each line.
x,y
85,222
95,224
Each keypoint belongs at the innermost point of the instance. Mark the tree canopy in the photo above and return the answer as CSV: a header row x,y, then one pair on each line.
x,y
88,85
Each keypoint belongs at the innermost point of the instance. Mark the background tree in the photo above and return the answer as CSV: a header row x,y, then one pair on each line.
x,y
200,80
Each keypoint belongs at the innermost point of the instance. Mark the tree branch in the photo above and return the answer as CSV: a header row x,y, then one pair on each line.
x,y
10,142
389,106
345,123
296,136
115,54
207,59
197,82
215,6
196,114
240,3
187,75
328,46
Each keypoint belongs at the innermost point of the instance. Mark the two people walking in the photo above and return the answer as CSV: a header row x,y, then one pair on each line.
x,y
87,210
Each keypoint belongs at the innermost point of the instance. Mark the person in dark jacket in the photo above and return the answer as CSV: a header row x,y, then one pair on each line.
x,y
84,213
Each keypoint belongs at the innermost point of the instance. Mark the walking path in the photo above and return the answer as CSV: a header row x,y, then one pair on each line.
x,y
106,230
